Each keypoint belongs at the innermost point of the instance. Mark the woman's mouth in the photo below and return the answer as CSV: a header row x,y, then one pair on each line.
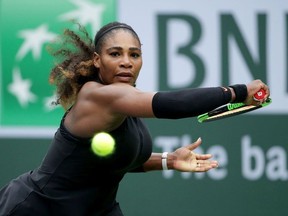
x,y
124,76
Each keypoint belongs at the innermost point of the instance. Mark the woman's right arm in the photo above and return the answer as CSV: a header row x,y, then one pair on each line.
x,y
127,100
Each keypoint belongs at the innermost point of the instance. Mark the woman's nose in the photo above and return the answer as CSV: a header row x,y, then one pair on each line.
x,y
126,61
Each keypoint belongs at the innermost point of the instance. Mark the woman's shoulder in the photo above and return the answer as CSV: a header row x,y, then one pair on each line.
x,y
91,84
114,90
89,88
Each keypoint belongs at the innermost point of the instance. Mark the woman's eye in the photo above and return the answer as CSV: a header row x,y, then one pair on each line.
x,y
135,55
114,54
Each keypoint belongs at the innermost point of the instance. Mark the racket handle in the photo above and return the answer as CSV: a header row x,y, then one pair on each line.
x,y
259,95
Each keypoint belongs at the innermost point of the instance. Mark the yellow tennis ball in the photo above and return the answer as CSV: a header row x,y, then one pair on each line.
x,y
103,144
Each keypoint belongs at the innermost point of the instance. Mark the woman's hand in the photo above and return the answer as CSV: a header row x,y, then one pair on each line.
x,y
188,161
252,88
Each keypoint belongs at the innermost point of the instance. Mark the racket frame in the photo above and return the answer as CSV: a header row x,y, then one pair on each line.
x,y
229,110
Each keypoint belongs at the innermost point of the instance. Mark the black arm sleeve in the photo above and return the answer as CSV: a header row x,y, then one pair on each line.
x,y
189,102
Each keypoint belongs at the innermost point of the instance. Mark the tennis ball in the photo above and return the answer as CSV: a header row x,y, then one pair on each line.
x,y
103,144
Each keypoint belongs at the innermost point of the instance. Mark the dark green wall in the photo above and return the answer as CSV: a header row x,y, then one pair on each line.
x,y
20,155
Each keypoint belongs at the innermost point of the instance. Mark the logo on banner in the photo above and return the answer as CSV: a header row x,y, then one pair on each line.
x,y
26,94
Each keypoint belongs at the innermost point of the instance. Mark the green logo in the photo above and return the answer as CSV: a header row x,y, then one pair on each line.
x,y
234,106
25,64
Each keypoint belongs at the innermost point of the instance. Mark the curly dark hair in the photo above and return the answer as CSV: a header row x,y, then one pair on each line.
x,y
74,55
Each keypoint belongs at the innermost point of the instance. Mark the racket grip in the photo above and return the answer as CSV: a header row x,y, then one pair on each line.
x,y
259,95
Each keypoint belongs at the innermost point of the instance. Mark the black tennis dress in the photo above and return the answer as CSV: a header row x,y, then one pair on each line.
x,y
73,181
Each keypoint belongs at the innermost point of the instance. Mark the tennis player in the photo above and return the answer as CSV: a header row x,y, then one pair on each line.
x,y
96,85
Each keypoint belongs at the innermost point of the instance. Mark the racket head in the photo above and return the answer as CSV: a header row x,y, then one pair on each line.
x,y
229,110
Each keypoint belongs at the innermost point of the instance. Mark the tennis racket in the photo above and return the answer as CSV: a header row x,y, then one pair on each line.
x,y
233,109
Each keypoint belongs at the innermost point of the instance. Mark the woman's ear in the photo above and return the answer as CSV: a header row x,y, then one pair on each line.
x,y
96,60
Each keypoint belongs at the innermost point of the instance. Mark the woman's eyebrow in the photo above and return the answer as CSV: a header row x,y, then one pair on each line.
x,y
121,48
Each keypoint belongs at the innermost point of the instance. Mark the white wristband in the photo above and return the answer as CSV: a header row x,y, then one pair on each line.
x,y
164,161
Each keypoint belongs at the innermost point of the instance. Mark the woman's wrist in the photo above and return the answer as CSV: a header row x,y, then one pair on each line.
x,y
164,161
240,91
167,160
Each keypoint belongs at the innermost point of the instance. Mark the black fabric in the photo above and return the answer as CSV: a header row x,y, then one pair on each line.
x,y
189,102
73,181
240,92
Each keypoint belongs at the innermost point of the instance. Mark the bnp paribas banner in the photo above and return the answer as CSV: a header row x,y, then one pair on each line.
x,y
185,44
26,28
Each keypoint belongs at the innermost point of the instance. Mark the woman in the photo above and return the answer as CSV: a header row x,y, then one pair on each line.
x,y
96,84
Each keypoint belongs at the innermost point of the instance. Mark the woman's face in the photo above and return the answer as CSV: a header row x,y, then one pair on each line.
x,y
120,58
